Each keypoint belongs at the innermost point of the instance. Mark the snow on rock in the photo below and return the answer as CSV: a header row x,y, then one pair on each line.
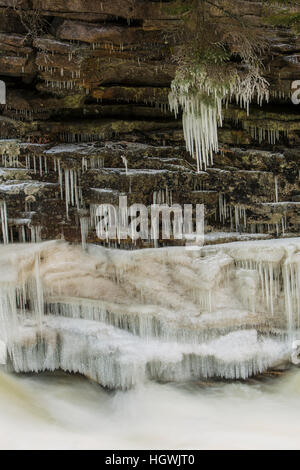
x,y
123,317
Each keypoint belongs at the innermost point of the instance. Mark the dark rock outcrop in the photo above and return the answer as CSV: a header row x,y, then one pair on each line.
x,y
92,90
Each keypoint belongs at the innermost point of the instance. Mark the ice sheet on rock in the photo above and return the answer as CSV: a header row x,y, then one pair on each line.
x,y
215,236
117,359
26,187
70,148
169,313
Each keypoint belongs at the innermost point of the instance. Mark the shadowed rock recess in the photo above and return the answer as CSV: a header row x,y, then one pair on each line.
x,y
83,98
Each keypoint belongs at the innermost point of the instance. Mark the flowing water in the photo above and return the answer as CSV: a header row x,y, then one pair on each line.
x,y
68,412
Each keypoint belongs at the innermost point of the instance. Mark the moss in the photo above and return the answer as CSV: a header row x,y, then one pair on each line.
x,y
132,94
178,7
283,13
73,101
264,119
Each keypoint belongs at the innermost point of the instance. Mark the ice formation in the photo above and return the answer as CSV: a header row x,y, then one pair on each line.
x,y
40,163
265,134
276,188
10,151
163,196
200,124
3,213
69,187
201,100
2,92
112,316
236,215
125,162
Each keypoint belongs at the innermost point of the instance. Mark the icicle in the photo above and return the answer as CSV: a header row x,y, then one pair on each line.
x,y
201,116
84,227
125,161
60,179
72,190
67,190
276,188
36,233
3,213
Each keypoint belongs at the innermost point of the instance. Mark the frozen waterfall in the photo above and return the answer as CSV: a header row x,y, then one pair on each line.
x,y
122,318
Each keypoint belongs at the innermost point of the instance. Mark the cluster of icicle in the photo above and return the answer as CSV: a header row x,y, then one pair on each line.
x,y
25,231
201,100
10,151
272,136
236,215
163,196
111,315
69,183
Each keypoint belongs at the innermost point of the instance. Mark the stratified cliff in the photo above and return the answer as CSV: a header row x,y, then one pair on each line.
x,y
89,95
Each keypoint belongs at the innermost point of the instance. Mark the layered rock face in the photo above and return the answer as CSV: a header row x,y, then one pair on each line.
x,y
87,120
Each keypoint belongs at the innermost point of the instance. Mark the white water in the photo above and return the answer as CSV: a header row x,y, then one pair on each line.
x,y
65,412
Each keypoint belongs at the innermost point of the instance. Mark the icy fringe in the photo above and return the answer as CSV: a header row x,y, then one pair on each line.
x,y
110,314
236,215
202,99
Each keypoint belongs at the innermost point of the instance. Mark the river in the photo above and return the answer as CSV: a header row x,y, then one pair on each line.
x,y
60,411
